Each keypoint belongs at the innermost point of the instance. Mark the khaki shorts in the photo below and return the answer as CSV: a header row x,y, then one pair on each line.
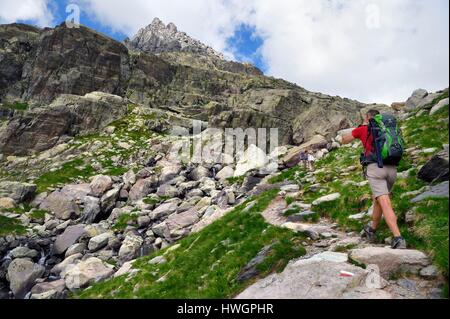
x,y
381,180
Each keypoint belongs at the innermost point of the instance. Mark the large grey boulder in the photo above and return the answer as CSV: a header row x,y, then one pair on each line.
x,y
199,172
100,184
86,273
307,279
22,274
108,200
52,289
169,170
62,205
142,188
391,260
17,191
99,241
440,191
164,210
419,98
130,247
179,224
23,252
439,106
69,237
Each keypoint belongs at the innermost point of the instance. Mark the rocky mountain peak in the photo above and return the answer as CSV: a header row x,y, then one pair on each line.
x,y
158,37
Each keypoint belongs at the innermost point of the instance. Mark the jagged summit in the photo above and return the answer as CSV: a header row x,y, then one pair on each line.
x,y
158,37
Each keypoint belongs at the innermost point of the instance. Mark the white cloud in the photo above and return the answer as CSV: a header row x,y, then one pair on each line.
x,y
370,50
35,11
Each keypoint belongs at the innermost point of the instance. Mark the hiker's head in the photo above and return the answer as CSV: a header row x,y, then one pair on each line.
x,y
371,114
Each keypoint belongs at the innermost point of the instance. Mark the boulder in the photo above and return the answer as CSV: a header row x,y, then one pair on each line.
x,y
142,188
440,191
99,241
87,272
419,98
327,198
179,224
253,158
436,169
7,203
22,274
69,237
164,210
100,184
225,173
307,279
199,172
292,158
63,206
75,249
126,268
167,190
24,252
169,170
129,179
390,260
91,209
17,191
108,200
398,106
439,106
60,268
130,247
50,288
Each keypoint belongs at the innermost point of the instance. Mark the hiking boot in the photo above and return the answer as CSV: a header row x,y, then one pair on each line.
x,y
398,243
369,233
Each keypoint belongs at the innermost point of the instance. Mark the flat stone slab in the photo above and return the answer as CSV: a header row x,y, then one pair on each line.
x,y
307,279
391,260
440,190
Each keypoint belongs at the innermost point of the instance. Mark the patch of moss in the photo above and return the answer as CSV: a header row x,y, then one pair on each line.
x,y
67,173
11,226
18,106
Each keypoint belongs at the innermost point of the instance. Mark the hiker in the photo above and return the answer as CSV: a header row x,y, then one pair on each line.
x,y
303,158
380,172
310,161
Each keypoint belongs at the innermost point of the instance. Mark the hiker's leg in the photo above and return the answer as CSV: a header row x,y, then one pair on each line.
x,y
389,215
376,214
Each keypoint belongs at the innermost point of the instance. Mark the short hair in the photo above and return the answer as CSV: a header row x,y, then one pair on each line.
x,y
372,113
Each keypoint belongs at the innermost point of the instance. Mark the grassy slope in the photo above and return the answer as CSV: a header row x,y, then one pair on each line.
x,y
207,263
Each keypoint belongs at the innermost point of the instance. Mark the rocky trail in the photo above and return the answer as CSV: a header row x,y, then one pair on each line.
x,y
335,264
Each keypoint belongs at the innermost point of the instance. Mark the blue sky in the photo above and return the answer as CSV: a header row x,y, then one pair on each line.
x,y
369,50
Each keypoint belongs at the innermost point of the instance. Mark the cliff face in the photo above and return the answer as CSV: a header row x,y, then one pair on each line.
x,y
161,68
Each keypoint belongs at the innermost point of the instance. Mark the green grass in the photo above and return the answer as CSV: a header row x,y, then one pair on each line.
x,y
123,221
18,106
427,131
235,180
38,214
291,174
11,226
207,263
69,172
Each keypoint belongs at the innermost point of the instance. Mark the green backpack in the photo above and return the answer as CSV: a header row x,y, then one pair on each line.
x,y
389,145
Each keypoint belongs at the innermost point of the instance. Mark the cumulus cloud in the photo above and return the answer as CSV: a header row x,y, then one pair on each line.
x,y
370,50
38,12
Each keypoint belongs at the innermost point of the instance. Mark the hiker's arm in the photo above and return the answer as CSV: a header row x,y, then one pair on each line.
x,y
347,138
